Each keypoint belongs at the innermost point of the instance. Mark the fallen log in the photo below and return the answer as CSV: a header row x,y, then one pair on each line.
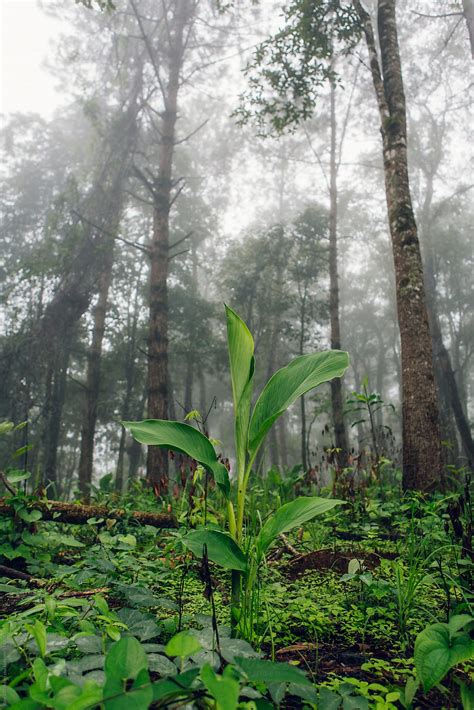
x,y
77,513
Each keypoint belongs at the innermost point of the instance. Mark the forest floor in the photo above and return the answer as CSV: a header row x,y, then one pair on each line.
x,y
343,600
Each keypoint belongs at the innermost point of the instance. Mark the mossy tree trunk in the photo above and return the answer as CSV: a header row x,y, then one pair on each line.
x,y
422,456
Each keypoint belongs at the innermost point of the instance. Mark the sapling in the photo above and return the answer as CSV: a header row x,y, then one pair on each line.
x,y
251,426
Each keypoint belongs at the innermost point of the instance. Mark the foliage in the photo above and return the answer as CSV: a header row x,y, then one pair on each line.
x,y
251,428
289,68
439,647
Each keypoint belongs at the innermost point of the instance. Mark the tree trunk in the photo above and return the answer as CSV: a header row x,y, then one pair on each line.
x,y
99,211
445,378
468,12
56,392
157,459
340,435
130,369
93,380
422,457
190,356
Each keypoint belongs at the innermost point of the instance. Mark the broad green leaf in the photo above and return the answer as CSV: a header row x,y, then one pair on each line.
x,y
125,659
178,685
260,671
17,476
224,690
161,665
29,516
122,696
38,631
183,645
286,385
185,439
292,515
221,548
242,364
436,653
459,621
141,625
8,696
467,696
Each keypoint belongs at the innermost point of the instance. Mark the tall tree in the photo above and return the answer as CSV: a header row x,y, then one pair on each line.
x,y
166,52
312,34
422,458
340,434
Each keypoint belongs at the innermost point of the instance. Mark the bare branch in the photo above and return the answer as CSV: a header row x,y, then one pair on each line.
x,y
193,133
180,241
177,194
135,245
144,180
149,48
185,251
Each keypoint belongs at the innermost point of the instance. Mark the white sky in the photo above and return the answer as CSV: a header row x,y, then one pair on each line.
x,y
25,40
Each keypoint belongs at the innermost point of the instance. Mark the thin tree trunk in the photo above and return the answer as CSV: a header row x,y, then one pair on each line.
x,y
53,421
468,12
445,377
422,456
190,357
304,446
93,380
121,479
340,435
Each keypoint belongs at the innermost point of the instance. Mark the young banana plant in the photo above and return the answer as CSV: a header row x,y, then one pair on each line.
x,y
251,427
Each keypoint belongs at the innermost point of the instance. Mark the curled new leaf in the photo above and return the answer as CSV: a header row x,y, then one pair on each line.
x,y
242,365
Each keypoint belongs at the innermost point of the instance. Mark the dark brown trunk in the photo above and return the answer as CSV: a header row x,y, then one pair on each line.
x,y
93,380
340,435
422,457
157,459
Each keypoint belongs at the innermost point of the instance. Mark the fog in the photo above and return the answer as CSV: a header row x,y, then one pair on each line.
x,y
153,170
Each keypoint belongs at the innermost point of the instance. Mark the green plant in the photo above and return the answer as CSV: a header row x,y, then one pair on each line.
x,y
189,670
365,405
251,427
440,647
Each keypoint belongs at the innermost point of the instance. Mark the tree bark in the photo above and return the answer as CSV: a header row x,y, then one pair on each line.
x,y
130,374
340,434
468,12
444,372
422,456
56,393
157,458
93,380
190,356
73,296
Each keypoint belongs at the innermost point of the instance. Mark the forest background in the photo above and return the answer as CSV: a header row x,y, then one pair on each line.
x,y
248,225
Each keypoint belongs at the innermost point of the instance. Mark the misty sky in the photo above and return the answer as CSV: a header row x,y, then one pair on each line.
x,y
26,36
